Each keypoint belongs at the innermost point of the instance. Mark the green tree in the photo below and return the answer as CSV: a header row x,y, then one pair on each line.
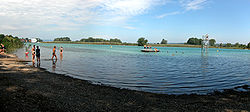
x,y
228,45
163,41
194,41
212,42
237,44
62,39
248,45
142,41
221,45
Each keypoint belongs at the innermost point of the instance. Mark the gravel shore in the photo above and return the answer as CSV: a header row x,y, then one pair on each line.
x,y
27,89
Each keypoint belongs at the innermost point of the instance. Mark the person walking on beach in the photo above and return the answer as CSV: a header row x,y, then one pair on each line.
x,y
33,50
38,54
145,46
54,53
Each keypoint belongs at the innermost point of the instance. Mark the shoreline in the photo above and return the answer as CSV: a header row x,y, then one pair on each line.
x,y
26,88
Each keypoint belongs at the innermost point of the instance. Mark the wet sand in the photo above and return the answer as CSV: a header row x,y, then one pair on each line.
x,y
26,88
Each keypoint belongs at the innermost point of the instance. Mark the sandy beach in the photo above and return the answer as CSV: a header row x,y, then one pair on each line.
x,y
26,88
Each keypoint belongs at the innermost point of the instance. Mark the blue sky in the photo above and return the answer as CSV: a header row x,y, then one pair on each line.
x,y
174,20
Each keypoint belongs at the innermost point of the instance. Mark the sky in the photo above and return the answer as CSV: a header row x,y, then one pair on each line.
x,y
173,20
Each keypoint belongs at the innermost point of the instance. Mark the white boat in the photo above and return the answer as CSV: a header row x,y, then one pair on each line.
x,y
150,50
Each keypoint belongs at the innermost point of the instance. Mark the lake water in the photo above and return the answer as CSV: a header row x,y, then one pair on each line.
x,y
171,71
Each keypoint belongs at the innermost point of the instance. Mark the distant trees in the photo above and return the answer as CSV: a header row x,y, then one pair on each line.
x,y
62,39
91,39
163,41
248,45
142,41
39,40
194,41
228,45
212,42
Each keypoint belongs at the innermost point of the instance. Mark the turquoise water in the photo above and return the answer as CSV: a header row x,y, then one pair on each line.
x,y
174,70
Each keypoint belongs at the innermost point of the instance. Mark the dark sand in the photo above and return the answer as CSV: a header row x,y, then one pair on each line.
x,y
25,88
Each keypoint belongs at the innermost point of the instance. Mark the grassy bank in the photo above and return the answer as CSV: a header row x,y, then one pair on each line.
x,y
10,42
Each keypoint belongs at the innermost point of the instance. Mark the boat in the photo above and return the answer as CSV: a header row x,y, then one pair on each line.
x,y
150,50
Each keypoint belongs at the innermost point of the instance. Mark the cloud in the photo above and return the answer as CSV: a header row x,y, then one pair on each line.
x,y
70,13
129,27
168,14
193,4
188,6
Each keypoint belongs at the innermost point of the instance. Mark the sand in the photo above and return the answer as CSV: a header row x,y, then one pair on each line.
x,y
25,88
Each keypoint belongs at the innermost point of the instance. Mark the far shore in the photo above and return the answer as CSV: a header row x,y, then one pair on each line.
x,y
134,44
27,88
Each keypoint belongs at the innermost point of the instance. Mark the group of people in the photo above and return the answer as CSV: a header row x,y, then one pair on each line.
x,y
147,47
3,49
36,53
150,47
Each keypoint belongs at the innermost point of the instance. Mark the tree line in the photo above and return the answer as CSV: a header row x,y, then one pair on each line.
x,y
10,42
62,39
91,39
212,42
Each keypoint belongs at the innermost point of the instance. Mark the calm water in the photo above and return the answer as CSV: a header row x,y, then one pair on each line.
x,y
171,71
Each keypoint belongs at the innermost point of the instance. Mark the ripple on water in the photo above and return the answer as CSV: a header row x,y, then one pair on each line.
x,y
127,67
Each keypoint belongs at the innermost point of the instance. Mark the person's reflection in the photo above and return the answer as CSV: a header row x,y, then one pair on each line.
x,y
61,57
38,65
33,63
54,65
204,62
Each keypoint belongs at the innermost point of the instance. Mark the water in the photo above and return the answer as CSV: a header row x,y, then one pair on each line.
x,y
171,71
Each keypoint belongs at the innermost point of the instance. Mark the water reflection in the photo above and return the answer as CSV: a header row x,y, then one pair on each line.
x,y
204,63
54,65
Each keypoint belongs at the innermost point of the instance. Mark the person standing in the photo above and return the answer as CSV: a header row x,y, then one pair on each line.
x,y
54,53
33,50
38,54
3,48
61,53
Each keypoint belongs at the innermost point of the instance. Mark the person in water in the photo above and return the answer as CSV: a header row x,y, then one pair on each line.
x,y
33,50
3,48
38,54
61,53
61,50
54,53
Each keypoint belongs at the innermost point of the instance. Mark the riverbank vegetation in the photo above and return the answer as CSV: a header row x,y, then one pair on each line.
x,y
192,42
91,39
62,39
10,42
